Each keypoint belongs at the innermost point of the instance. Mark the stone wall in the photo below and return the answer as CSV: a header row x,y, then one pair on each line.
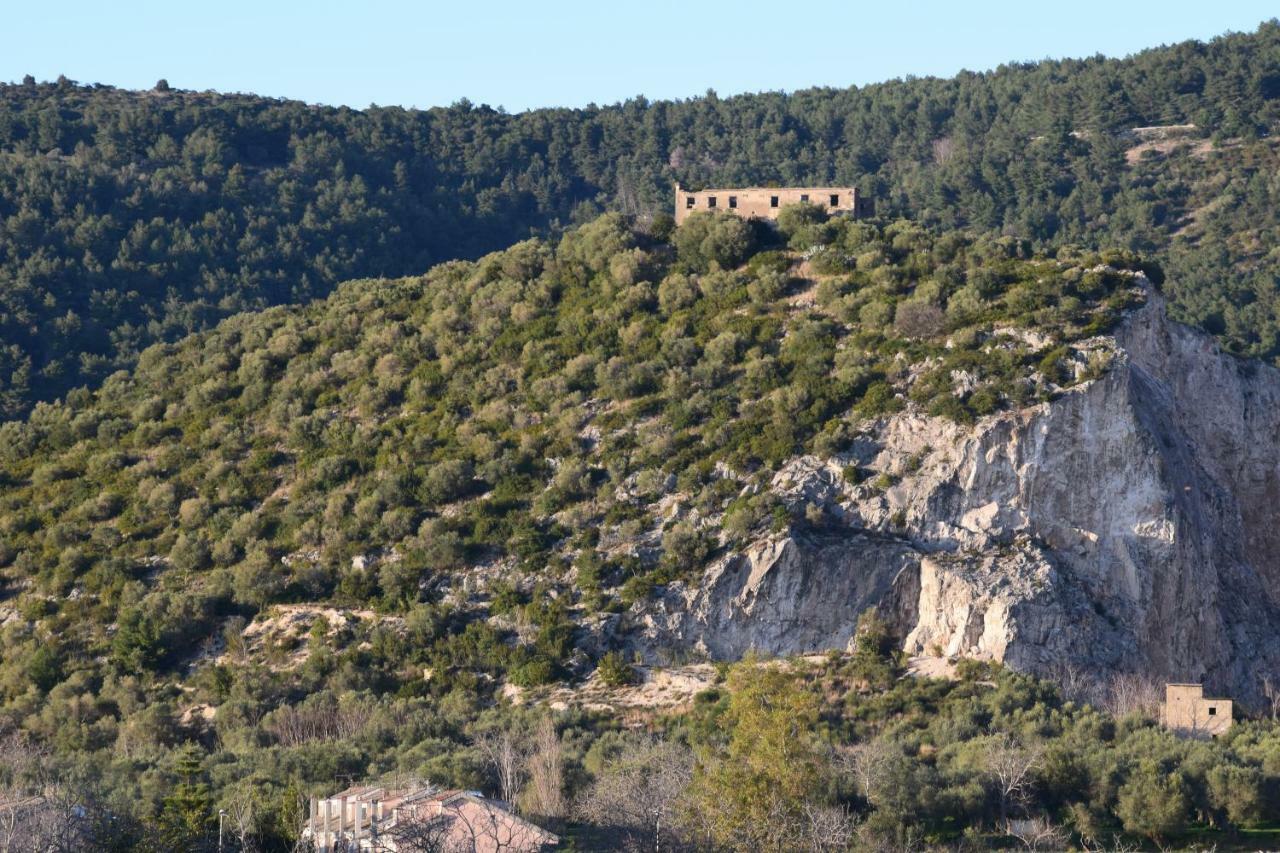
x,y
767,202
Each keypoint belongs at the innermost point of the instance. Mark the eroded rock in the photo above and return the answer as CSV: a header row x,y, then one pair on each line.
x,y
1129,524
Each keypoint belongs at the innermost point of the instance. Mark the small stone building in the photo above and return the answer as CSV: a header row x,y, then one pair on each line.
x,y
767,202
1187,711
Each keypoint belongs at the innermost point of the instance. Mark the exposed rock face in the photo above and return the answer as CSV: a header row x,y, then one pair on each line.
x,y
1133,523
788,596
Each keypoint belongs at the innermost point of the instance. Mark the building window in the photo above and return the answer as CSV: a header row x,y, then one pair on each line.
x,y
804,196
835,200
689,202
1213,712
711,201
773,201
733,201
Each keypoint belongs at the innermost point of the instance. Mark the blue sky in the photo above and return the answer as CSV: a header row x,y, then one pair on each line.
x,y
532,54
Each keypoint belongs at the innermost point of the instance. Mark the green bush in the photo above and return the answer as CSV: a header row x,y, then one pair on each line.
x,y
614,670
705,239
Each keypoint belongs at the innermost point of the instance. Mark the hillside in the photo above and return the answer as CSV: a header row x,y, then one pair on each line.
x,y
132,217
527,412
379,533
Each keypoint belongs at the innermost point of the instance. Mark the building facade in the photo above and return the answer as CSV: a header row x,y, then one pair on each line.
x,y
1188,712
767,202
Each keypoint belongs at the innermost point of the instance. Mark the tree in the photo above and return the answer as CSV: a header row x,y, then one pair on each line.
x,y
753,790
640,794
875,657
1238,793
713,238
187,814
1154,802
508,760
1012,768
137,643
917,319
44,666
545,793
793,218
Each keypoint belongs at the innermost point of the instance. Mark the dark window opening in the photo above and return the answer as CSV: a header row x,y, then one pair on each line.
x,y
733,201
1213,712
711,201
835,200
804,196
773,201
690,202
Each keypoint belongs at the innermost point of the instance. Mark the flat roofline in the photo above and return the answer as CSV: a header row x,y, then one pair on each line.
x,y
757,189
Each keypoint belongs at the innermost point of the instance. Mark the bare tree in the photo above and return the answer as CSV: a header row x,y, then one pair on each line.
x,y
1038,833
919,320
62,819
1117,845
1012,768
27,816
1079,685
639,794
627,200
910,839
545,796
293,725
1131,693
828,827
241,821
508,759
1272,692
868,763
944,148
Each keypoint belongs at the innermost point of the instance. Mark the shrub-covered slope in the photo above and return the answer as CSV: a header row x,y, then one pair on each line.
x,y
323,543
131,217
538,409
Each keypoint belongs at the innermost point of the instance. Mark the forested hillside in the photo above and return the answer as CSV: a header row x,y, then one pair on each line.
x,y
368,537
532,410
131,217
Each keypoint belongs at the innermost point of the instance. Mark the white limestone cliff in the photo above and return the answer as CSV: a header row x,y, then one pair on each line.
x,y
1133,523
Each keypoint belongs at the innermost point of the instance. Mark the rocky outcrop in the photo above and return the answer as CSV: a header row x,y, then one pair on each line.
x,y
1130,524
787,596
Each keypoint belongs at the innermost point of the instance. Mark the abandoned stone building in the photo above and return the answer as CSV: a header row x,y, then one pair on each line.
x,y
767,202
1187,711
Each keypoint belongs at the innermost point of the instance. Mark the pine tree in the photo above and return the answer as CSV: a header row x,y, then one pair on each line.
x,y
186,815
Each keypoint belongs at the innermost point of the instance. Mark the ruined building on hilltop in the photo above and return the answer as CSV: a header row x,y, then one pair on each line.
x,y
767,202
